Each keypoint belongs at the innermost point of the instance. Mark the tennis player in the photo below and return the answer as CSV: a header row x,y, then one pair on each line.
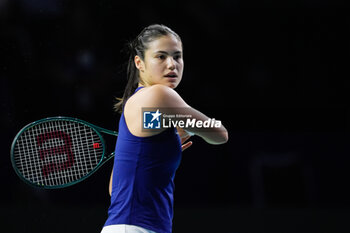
x,y
142,180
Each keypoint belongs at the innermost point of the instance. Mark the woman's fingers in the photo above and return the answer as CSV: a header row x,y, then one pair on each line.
x,y
186,145
184,139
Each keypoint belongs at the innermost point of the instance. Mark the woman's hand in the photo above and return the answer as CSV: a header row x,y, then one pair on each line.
x,y
184,136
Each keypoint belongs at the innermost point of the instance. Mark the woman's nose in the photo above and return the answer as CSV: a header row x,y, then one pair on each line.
x,y
171,63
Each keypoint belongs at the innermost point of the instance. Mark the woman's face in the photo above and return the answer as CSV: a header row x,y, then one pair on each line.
x,y
163,63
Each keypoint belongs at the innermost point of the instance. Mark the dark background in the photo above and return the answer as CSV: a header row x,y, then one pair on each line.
x,y
275,72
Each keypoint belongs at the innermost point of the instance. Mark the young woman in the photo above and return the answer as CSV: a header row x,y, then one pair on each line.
x,y
142,180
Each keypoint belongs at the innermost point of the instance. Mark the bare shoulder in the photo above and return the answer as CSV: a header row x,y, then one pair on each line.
x,y
159,90
156,96
160,96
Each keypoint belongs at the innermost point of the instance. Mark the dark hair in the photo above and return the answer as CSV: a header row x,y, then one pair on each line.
x,y
138,47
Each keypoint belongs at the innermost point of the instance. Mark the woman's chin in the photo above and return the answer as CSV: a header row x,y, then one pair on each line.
x,y
172,84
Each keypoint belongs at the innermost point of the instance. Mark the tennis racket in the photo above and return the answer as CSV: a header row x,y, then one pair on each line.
x,y
58,152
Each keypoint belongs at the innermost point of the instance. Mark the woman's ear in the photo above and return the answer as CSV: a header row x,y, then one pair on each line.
x,y
139,63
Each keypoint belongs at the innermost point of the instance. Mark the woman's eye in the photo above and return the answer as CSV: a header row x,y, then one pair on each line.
x,y
162,57
177,57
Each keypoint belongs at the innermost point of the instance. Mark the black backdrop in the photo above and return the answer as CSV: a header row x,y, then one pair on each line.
x,y
275,72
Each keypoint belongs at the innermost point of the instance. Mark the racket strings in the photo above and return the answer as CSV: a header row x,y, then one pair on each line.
x,y
57,152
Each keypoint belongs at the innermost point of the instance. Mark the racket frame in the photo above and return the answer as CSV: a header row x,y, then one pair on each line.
x,y
96,129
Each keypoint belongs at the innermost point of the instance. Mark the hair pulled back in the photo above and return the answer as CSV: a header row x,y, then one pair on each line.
x,y
137,47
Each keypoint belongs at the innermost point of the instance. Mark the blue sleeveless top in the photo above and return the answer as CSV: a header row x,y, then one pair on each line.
x,y
143,179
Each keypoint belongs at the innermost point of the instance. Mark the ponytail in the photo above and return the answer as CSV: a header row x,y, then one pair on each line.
x,y
132,74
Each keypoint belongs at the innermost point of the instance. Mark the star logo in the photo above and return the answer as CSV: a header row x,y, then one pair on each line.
x,y
156,115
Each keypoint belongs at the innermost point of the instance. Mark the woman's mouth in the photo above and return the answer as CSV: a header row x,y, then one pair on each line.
x,y
171,75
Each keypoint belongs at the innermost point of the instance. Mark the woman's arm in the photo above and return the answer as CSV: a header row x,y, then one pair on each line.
x,y
110,183
160,96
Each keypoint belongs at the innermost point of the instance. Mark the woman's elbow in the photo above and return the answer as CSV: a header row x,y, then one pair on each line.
x,y
223,138
220,138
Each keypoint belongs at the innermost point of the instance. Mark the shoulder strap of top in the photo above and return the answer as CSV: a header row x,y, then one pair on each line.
x,y
138,89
